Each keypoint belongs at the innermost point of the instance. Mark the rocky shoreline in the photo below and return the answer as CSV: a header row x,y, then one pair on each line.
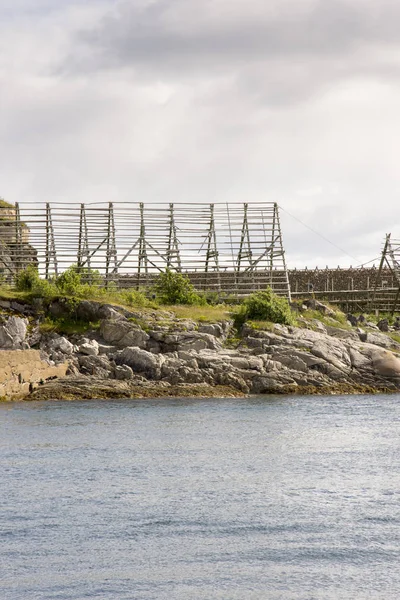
x,y
149,354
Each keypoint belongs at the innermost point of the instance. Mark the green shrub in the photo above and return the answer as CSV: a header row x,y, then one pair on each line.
x,y
175,288
133,298
79,281
44,289
27,279
264,306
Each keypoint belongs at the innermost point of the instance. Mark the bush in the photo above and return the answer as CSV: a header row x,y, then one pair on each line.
x,y
27,279
264,306
175,288
78,281
133,298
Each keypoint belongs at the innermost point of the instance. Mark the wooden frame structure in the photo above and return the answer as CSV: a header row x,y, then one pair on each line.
x,y
227,248
391,259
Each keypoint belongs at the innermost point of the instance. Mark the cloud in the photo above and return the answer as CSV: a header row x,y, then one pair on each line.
x,y
190,36
201,101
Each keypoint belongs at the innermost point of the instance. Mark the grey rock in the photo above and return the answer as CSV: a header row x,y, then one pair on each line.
x,y
121,333
336,355
214,329
59,308
13,333
343,334
270,383
358,360
153,346
59,344
382,340
123,372
141,361
291,360
232,379
191,340
207,359
24,309
106,349
89,347
88,310
313,304
319,326
352,319
255,342
100,366
246,374
383,325
385,363
362,334
247,362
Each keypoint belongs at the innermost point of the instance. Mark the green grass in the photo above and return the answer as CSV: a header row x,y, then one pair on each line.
x,y
339,320
201,314
261,325
4,204
394,336
67,326
8,293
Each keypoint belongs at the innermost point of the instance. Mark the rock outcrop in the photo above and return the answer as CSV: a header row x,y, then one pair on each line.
x,y
21,371
127,351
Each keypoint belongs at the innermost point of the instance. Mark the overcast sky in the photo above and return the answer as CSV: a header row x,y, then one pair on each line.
x,y
293,101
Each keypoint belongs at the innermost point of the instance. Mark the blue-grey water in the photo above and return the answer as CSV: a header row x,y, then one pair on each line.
x,y
270,497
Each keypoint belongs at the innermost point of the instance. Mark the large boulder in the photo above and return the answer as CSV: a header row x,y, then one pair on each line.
x,y
383,325
141,361
13,333
218,330
59,344
89,310
99,366
89,347
191,340
386,364
123,373
122,333
382,340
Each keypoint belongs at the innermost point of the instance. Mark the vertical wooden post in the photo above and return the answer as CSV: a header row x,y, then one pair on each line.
x,y
83,257
50,244
212,250
111,251
271,256
244,239
18,239
281,250
235,280
383,258
142,256
173,244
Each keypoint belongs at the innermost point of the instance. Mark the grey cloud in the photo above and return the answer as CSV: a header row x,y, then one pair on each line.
x,y
167,33
278,53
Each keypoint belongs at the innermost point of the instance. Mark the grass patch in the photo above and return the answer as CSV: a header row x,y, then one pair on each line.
x,y
67,326
395,336
261,325
339,320
201,314
232,343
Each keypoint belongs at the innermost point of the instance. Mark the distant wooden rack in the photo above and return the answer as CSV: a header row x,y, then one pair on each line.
x,y
229,248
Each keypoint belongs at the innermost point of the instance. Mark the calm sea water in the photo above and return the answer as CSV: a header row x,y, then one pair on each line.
x,y
289,498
